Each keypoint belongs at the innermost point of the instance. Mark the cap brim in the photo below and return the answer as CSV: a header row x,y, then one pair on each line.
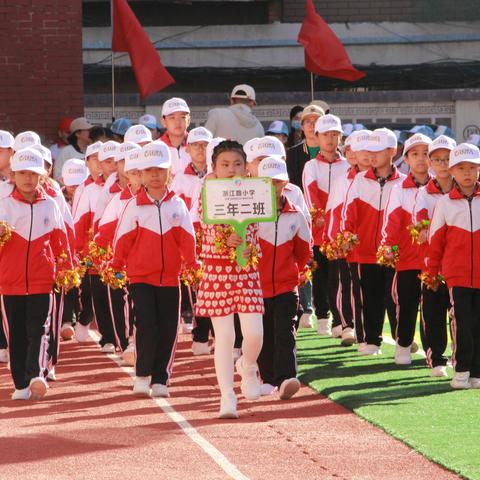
x,y
375,148
39,170
475,161
334,129
164,165
70,183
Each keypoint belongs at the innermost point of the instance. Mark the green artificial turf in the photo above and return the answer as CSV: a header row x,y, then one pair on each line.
x,y
424,412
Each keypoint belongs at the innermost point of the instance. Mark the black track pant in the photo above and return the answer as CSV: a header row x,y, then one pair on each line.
x,y
339,293
320,284
85,300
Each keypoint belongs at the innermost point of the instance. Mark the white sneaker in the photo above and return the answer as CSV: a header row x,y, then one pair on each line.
x,y
439,371
288,388
160,390
187,327
82,333
237,353
324,326
403,355
250,384
128,355
22,394
51,375
474,382
141,386
305,321
200,348
67,332
348,337
3,355
370,349
266,389
108,348
460,380
38,388
337,331
228,406
361,346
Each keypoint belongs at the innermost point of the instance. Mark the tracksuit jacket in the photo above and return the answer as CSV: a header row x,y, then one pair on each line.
x,y
153,240
454,239
109,189
364,209
180,157
286,249
27,260
319,175
399,214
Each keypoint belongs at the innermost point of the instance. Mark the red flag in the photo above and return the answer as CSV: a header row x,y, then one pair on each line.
x,y
324,53
129,36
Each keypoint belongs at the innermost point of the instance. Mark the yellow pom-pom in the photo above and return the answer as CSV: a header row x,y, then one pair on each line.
x,y
388,256
416,229
191,277
113,279
67,279
7,233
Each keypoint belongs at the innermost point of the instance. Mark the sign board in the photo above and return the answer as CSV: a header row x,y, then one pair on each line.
x,y
238,202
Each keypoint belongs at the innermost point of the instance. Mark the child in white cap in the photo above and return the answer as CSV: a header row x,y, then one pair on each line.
x,y
319,176
286,249
399,247
176,120
154,238
362,217
435,304
32,234
454,252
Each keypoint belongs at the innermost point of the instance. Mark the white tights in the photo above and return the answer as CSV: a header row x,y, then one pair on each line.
x,y
252,331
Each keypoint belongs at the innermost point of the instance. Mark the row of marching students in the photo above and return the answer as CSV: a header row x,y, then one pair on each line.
x,y
386,241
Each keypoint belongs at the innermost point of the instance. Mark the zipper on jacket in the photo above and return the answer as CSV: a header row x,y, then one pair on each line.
x,y
329,176
28,247
469,200
378,215
275,252
159,206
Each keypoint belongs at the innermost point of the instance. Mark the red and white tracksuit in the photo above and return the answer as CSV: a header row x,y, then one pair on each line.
x,y
435,305
110,188
180,157
286,249
454,250
362,214
27,275
154,238
406,289
319,176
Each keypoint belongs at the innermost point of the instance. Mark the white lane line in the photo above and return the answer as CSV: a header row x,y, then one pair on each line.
x,y
218,457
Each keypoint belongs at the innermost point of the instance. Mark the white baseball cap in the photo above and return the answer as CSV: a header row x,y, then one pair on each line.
x,y
465,152
93,148
26,139
199,134
45,152
273,167
442,142
123,149
6,139
138,134
150,121
209,152
381,139
243,91
80,123
358,140
28,159
414,140
328,123
108,150
173,105
132,157
74,172
263,146
155,154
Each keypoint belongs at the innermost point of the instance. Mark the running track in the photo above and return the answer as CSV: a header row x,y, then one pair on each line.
x,y
89,426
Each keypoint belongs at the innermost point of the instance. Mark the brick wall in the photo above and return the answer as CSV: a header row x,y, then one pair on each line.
x,y
41,72
385,10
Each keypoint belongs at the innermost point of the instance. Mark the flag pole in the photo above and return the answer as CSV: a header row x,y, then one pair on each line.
x,y
312,86
113,65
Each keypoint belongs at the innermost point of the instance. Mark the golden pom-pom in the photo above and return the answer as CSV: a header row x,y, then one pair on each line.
x,y
6,234
113,279
67,279
417,228
388,256
191,277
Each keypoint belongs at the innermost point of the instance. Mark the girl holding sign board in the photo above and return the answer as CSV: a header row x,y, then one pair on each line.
x,y
226,289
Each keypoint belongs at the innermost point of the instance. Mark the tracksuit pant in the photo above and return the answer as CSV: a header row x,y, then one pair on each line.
x,y
119,304
356,297
156,320
434,310
29,319
320,284
277,360
375,283
406,291
3,337
465,330
339,293
86,314
202,326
